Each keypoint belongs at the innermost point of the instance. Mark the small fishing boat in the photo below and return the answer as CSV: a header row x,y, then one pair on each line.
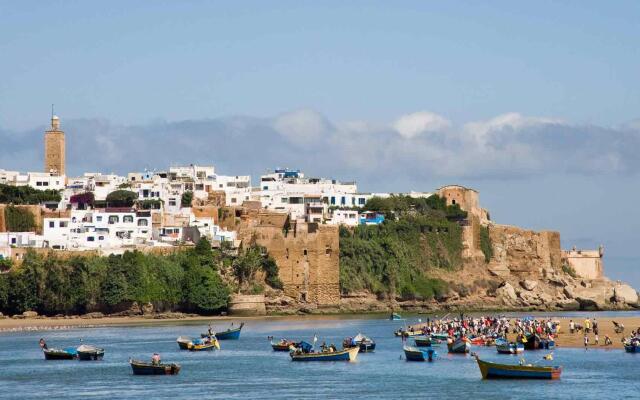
x,y
204,344
459,346
407,333
505,347
439,336
89,353
184,342
366,344
415,354
283,345
395,317
340,355
229,334
490,370
146,368
632,347
423,341
546,344
68,353
531,342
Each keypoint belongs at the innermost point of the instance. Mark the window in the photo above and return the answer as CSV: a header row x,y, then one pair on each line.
x,y
233,199
304,252
127,219
285,200
113,219
343,200
52,224
265,188
172,202
13,240
99,219
45,183
91,239
361,201
143,222
100,237
453,201
38,183
333,200
64,224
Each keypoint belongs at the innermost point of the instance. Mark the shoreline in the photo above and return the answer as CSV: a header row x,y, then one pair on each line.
x,y
564,339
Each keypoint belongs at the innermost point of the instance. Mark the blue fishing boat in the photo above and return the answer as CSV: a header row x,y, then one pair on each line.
x,y
339,355
546,344
229,334
416,354
68,353
490,370
632,347
505,347
396,317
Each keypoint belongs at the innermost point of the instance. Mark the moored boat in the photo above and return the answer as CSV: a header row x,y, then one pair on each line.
x,y
229,334
505,347
416,354
283,345
531,341
146,368
366,344
395,317
409,332
340,355
439,336
490,370
204,344
632,347
68,353
89,353
184,342
423,341
460,345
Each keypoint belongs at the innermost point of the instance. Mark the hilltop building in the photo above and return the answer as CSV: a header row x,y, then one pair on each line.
x,y
54,149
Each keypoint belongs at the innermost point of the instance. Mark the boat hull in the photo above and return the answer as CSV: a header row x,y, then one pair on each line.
x,y
282,346
630,348
344,355
91,355
57,354
229,334
184,342
415,354
504,347
459,347
491,370
423,341
143,368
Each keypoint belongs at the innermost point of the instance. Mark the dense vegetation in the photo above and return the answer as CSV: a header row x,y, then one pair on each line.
x,y
19,219
397,257
27,195
187,280
485,243
121,198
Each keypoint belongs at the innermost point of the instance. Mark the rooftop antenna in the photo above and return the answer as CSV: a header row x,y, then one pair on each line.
x,y
52,113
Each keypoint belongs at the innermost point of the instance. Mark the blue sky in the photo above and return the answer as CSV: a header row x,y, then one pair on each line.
x,y
534,103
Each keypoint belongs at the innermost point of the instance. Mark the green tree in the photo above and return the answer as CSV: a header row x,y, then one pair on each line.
x,y
246,265
186,199
19,219
121,198
203,291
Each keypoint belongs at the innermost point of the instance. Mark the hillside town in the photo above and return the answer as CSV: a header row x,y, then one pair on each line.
x,y
294,217
174,206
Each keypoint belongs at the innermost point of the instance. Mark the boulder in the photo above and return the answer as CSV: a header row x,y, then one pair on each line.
x,y
568,305
624,293
134,309
528,284
506,293
530,299
147,309
30,314
568,291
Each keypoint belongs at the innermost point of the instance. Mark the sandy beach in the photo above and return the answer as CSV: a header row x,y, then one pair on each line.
x,y
564,339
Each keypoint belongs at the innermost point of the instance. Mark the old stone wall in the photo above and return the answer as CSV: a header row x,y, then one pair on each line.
x,y
307,255
524,253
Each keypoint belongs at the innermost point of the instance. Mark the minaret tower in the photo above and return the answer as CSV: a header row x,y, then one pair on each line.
x,y
54,149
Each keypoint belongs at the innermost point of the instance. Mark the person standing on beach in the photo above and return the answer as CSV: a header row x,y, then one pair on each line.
x,y
586,341
587,325
572,326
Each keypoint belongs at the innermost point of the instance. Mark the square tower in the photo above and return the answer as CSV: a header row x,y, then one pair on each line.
x,y
54,148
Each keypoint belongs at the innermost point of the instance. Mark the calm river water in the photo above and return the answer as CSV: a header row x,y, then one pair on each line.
x,y
249,369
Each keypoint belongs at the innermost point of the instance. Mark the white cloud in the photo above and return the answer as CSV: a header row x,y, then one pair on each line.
x,y
412,125
479,130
